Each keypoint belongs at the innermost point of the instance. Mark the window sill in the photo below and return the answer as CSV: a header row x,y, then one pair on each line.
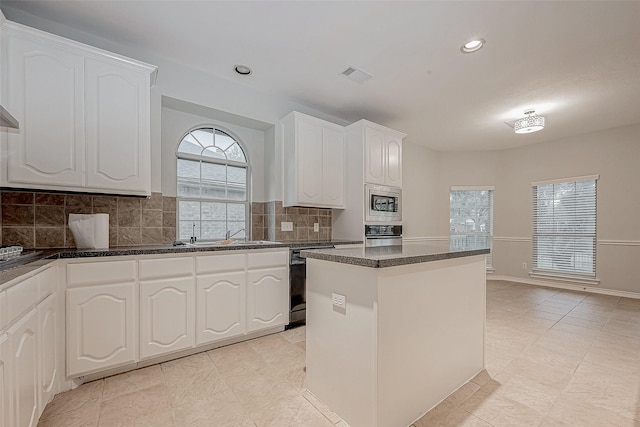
x,y
569,279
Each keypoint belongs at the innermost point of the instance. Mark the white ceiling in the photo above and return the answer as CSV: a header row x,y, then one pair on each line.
x,y
576,62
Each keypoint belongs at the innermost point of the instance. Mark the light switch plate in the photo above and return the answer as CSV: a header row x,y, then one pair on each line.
x,y
316,227
286,226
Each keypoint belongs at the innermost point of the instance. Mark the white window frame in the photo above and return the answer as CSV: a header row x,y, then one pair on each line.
x,y
488,234
563,273
205,159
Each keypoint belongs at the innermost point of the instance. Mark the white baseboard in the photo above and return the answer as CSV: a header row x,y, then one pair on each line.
x,y
569,286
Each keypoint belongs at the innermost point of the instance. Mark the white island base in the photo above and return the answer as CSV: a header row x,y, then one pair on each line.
x,y
408,336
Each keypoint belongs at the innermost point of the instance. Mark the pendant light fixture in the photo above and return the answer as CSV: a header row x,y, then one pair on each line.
x,y
530,123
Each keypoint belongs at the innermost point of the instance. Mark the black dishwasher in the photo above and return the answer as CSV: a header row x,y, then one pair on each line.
x,y
298,286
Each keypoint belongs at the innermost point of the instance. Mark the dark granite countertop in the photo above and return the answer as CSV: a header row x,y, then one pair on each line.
x,y
50,255
391,256
9,274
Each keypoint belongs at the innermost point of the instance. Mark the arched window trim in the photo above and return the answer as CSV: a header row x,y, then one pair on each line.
x,y
215,160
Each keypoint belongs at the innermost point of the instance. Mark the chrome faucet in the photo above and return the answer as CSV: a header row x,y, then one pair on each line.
x,y
228,235
193,237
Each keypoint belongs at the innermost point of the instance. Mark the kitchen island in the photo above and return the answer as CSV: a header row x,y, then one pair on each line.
x,y
392,331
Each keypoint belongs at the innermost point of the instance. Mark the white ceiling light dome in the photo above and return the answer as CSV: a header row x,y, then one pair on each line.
x,y
473,45
530,123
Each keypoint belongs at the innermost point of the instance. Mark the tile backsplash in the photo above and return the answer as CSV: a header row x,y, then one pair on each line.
x,y
35,219
267,216
40,220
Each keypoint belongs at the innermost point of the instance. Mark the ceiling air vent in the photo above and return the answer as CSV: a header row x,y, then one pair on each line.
x,y
354,74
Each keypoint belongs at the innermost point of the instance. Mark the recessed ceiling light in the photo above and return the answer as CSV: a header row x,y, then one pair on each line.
x,y
472,46
243,70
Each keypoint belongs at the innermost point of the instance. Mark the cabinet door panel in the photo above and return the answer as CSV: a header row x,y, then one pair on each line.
x,y
117,123
221,307
46,96
5,384
333,167
267,298
47,355
24,363
393,176
101,325
309,168
374,152
47,282
167,316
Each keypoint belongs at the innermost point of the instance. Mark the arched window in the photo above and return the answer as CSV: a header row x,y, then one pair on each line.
x,y
213,189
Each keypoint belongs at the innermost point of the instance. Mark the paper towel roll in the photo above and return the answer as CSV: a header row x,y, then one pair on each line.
x,y
90,231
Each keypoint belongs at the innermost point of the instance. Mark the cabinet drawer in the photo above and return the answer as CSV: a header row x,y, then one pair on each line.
x,y
165,267
268,259
47,283
92,273
21,297
216,263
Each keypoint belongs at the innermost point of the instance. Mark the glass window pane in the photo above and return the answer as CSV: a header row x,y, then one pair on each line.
x,y
565,227
212,182
190,145
186,229
188,169
188,188
236,212
237,229
236,174
214,211
214,172
189,210
204,136
234,152
223,140
213,230
214,152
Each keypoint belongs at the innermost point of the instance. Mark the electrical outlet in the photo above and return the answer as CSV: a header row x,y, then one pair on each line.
x,y
524,265
316,227
339,301
286,226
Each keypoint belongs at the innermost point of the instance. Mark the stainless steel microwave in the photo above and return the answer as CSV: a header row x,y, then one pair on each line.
x,y
383,203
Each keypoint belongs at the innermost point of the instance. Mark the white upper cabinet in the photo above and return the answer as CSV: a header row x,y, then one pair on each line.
x,y
382,152
314,162
117,123
84,115
45,92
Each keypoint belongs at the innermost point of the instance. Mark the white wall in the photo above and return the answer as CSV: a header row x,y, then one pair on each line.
x,y
613,154
420,177
175,124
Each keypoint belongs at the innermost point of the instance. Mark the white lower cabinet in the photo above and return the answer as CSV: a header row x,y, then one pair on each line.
x,y
123,311
102,329
24,367
47,354
6,389
221,306
267,302
167,316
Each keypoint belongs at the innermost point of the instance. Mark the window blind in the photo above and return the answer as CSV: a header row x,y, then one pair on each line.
x,y
471,219
564,227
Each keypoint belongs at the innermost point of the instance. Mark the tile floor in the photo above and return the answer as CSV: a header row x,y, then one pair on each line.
x,y
554,358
